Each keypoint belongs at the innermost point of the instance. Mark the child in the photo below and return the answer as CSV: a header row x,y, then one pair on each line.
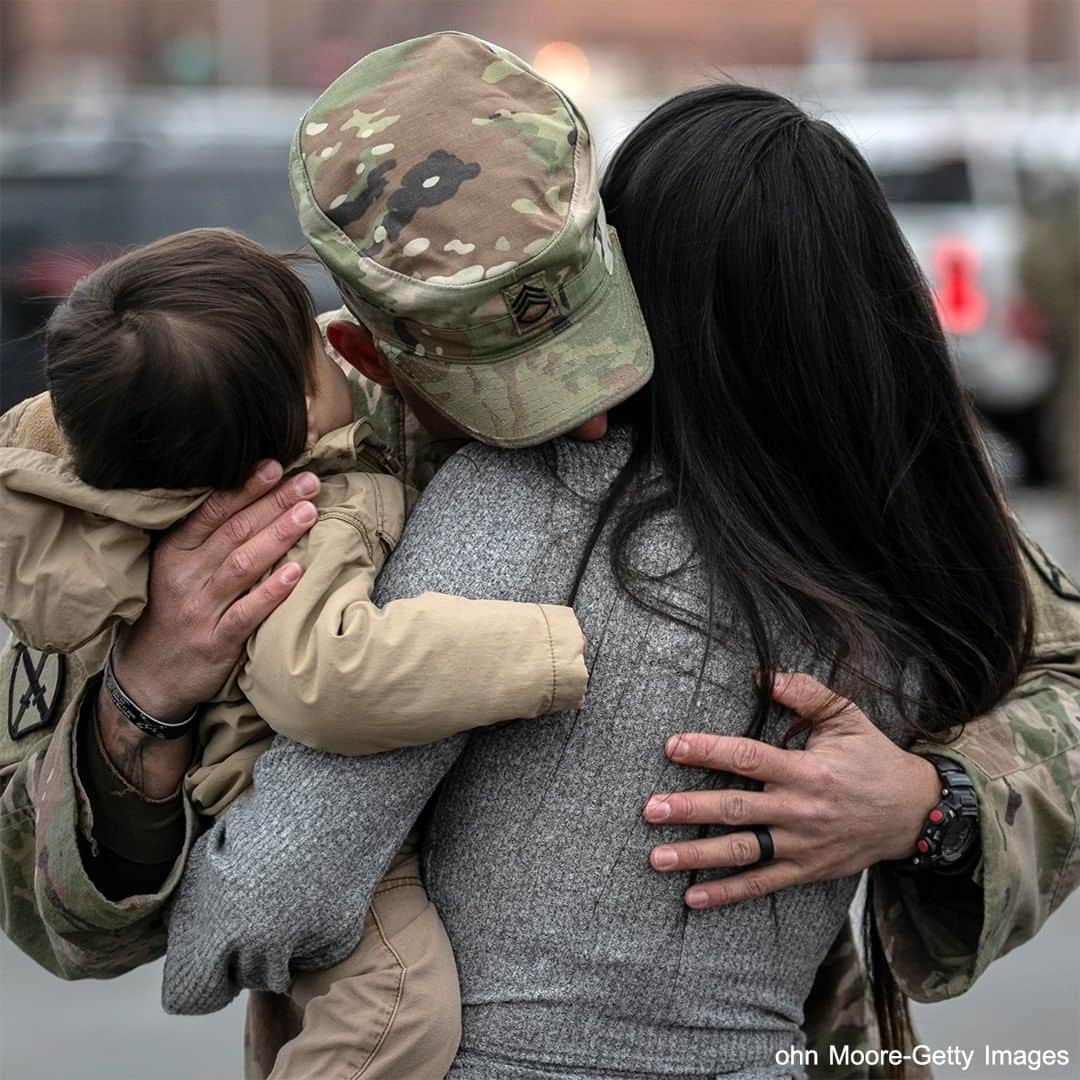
x,y
174,370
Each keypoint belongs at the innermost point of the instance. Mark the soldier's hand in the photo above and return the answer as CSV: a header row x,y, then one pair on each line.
x,y
850,799
207,595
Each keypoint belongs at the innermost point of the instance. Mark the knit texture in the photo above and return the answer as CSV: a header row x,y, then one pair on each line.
x,y
576,958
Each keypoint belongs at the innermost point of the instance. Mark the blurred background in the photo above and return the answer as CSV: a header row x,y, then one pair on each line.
x,y
123,120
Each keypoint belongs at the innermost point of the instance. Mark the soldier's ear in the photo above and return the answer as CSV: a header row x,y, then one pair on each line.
x,y
357,346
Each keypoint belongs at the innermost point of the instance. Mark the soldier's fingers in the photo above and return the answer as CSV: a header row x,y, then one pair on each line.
x,y
230,518
747,885
811,699
244,565
241,620
199,526
730,806
734,754
714,852
271,510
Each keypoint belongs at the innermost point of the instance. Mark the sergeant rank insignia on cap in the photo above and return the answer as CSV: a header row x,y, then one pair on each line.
x,y
531,305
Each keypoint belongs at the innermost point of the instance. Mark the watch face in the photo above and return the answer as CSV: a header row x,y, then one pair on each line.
x,y
956,839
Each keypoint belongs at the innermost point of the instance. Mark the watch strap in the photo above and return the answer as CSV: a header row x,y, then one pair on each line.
x,y
958,801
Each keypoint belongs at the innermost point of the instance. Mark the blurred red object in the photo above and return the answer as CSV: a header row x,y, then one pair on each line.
x,y
324,62
961,303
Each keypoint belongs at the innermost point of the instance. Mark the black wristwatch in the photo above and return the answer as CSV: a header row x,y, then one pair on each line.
x,y
949,838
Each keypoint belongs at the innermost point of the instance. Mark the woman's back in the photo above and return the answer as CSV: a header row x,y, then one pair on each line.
x,y
573,953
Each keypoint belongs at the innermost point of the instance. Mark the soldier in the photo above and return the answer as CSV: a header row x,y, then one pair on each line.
x,y
1020,759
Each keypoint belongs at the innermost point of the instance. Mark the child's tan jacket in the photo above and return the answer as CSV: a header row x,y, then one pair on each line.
x,y
327,668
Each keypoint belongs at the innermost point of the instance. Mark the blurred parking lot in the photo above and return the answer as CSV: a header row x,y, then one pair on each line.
x,y
83,182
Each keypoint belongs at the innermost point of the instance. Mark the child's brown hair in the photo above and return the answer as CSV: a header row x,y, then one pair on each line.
x,y
182,363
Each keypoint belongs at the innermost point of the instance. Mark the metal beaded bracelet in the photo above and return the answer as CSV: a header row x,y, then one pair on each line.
x,y
131,712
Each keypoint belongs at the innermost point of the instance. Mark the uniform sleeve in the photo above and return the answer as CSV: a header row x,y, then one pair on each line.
x,y
136,838
940,934
332,670
839,1021
49,905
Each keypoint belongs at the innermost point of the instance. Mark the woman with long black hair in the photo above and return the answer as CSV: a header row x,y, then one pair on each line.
x,y
808,422
804,410
801,487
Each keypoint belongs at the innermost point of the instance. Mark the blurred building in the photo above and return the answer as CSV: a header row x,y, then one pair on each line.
x,y
793,32
50,46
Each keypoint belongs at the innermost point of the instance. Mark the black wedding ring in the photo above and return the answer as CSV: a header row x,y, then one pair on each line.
x,y
764,839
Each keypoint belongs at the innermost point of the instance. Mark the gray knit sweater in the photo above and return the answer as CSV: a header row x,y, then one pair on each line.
x,y
576,958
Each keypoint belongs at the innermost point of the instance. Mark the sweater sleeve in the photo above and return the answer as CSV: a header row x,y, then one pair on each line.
x,y
283,880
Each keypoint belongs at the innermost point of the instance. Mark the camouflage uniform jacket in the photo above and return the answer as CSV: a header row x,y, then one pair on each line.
x,y
1022,757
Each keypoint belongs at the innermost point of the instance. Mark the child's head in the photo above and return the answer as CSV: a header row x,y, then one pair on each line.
x,y
185,362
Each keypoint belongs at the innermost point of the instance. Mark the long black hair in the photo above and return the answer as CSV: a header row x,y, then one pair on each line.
x,y
805,411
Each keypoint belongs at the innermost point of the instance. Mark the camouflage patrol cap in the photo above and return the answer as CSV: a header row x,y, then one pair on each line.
x,y
452,193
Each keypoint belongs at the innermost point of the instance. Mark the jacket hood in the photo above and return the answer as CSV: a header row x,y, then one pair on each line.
x,y
75,559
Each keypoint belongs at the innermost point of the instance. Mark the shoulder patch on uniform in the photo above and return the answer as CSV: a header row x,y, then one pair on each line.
x,y
1050,572
35,690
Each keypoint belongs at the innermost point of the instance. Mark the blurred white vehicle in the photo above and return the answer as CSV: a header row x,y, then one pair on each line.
x,y
957,175
959,202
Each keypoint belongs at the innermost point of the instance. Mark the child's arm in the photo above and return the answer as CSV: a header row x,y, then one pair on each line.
x,y
331,670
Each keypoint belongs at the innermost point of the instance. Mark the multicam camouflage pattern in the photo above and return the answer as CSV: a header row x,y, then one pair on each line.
x,y
452,192
410,452
48,905
1024,760
839,1012
1022,753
